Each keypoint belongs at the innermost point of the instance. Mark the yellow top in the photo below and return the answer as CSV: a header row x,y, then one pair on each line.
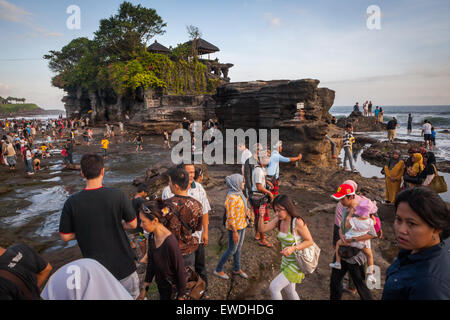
x,y
418,164
236,215
105,143
43,148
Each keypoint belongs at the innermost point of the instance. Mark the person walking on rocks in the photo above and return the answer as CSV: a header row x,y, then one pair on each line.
x,y
391,128
184,218
197,192
273,170
11,156
349,139
376,112
260,196
393,171
139,140
236,223
165,262
369,109
287,218
409,123
94,217
354,263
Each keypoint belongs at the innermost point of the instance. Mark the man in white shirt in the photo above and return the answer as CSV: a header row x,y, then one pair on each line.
x,y
246,154
197,192
259,190
426,132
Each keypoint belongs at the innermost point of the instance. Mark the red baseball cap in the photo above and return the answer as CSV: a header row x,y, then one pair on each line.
x,y
343,190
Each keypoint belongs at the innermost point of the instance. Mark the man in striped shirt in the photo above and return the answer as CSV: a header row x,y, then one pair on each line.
x,y
348,141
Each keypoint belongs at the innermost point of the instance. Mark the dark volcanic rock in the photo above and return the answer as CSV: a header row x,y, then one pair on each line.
x,y
266,104
273,104
361,123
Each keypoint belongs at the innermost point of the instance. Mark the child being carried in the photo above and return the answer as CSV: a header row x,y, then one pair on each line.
x,y
359,222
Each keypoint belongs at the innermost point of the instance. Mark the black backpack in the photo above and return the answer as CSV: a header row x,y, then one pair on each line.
x,y
248,172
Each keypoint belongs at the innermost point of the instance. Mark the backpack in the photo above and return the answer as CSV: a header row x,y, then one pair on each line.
x,y
248,172
195,286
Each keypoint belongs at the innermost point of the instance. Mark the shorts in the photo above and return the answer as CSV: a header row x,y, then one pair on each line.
x,y
86,139
257,213
11,161
104,152
391,134
427,137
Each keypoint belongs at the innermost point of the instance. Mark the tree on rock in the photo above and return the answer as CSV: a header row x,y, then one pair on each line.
x,y
127,32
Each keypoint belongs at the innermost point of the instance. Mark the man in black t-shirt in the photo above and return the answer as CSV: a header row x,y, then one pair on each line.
x,y
22,273
94,217
185,124
391,128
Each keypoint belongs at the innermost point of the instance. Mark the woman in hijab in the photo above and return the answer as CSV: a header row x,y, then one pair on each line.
x,y
394,172
236,222
84,279
427,175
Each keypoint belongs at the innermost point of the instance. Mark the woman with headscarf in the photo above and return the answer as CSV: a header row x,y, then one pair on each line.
x,y
428,174
84,279
236,222
413,178
394,172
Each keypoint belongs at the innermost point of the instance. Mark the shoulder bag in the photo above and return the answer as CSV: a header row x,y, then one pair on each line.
x,y
308,258
438,183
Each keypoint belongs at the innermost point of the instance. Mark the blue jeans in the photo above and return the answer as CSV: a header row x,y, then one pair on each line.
x,y
233,249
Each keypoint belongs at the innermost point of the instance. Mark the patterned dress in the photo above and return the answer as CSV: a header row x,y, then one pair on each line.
x,y
289,265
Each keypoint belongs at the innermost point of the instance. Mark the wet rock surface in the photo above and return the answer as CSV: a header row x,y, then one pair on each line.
x,y
378,153
309,186
361,123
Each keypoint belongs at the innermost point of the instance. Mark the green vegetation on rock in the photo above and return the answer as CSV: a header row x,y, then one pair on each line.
x,y
17,108
117,59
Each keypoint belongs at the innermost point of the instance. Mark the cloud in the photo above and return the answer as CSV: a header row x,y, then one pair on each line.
x,y
273,21
4,86
13,13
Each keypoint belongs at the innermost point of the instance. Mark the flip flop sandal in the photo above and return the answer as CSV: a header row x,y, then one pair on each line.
x,y
266,244
258,237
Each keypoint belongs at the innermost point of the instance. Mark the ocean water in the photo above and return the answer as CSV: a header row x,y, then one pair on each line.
x,y
439,116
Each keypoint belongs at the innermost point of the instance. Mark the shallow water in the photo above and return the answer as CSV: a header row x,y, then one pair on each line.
x,y
46,198
368,170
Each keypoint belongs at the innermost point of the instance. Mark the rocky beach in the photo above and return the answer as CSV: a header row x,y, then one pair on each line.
x,y
30,210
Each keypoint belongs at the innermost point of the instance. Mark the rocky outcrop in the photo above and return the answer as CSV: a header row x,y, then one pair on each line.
x,y
361,123
267,104
275,104
167,112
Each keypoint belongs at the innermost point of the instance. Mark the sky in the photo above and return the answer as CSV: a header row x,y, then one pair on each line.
x,y
406,61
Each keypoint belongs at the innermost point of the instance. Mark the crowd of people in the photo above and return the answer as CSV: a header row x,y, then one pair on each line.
x,y
173,232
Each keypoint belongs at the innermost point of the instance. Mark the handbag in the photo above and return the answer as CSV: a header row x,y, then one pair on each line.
x,y
438,183
258,199
195,286
308,258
